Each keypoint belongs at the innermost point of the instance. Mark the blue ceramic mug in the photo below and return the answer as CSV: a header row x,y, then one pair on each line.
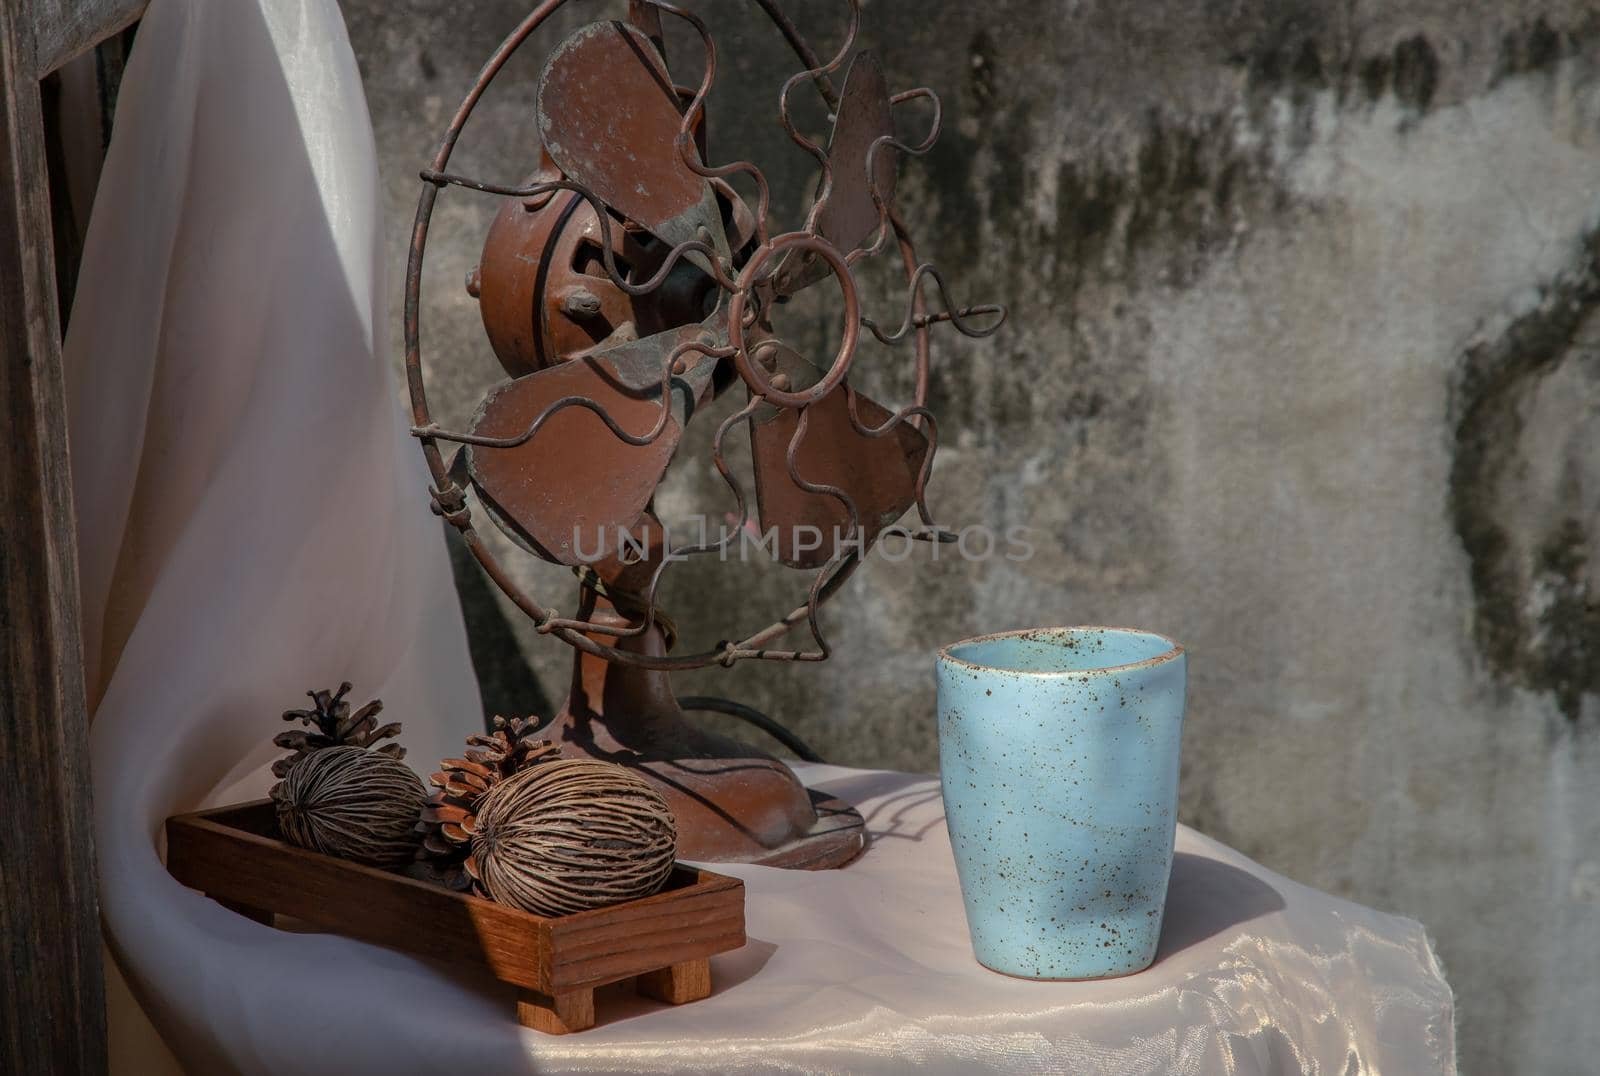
x,y
1058,754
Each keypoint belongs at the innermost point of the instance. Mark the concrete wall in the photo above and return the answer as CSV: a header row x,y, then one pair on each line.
x,y
1303,369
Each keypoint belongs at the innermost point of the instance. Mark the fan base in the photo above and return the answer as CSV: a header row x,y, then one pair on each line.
x,y
839,836
733,803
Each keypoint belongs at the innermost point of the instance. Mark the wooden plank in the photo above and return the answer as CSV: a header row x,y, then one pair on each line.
x,y
608,944
52,990
66,28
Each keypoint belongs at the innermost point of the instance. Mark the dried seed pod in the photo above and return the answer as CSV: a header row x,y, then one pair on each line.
x,y
352,803
572,834
333,725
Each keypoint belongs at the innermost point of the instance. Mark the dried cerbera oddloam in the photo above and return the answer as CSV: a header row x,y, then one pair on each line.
x,y
571,835
352,803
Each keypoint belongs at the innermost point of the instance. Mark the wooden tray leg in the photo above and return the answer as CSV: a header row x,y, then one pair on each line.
x,y
677,983
569,1011
260,915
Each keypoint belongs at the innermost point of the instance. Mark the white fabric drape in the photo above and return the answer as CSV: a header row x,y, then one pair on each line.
x,y
253,522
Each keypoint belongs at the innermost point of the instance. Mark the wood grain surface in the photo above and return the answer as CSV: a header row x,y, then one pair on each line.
x,y
52,987
234,855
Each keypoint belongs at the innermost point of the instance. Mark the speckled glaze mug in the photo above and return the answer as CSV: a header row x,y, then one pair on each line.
x,y
1058,754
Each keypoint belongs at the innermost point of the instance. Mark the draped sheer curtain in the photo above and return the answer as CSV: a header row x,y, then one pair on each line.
x,y
252,517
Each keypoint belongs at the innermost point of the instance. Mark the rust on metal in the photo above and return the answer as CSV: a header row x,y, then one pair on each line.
x,y
609,117
623,284
545,295
569,456
651,273
846,211
878,475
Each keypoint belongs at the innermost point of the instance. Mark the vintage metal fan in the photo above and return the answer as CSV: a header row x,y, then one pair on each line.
x,y
623,286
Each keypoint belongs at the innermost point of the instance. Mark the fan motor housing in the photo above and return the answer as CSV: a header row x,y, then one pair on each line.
x,y
543,290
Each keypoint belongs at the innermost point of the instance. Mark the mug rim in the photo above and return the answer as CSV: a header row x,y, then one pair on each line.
x,y
1174,650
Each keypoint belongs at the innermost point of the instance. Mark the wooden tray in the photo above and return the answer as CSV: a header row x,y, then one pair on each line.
x,y
234,855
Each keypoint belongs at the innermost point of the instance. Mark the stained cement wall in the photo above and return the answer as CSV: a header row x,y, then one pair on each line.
x,y
1303,369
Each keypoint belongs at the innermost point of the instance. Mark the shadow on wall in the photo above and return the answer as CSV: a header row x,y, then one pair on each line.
x,y
506,680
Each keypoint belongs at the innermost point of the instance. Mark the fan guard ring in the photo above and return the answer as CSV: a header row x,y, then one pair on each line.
x,y
446,490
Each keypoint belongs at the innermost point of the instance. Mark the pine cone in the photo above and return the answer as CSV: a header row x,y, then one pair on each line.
x,y
450,816
334,725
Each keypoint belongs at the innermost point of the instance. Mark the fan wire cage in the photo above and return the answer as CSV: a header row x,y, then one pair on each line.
x,y
449,498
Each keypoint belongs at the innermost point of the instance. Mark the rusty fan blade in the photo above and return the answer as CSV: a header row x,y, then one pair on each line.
x,y
609,117
569,491
878,473
849,215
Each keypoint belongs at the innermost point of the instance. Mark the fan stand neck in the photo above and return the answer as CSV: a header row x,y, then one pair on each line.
x,y
732,802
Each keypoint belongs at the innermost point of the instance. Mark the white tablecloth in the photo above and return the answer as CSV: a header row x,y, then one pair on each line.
x,y
252,522
870,969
